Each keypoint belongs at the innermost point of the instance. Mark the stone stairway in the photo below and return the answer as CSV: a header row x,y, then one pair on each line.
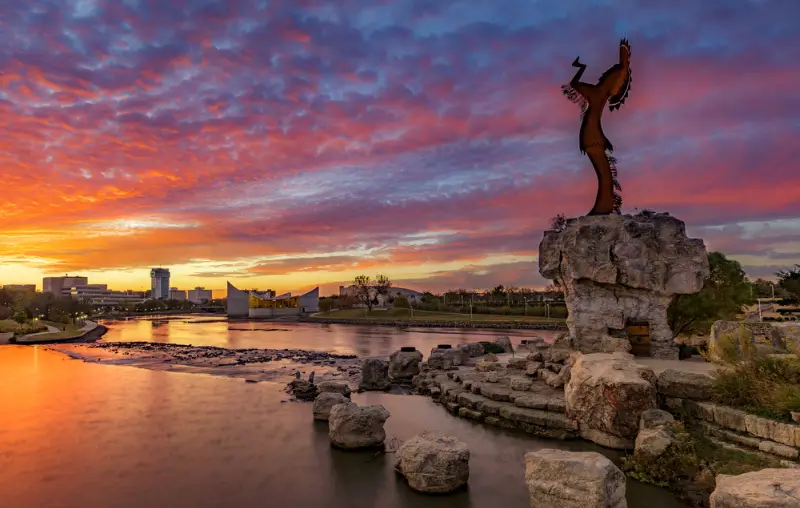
x,y
504,398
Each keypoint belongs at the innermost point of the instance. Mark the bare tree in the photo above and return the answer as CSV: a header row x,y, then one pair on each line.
x,y
367,291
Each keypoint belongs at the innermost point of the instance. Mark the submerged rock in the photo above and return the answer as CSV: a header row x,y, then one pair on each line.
x,y
433,462
374,375
351,426
562,479
325,402
404,365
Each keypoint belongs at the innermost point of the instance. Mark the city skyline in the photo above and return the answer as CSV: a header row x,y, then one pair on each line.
x,y
301,144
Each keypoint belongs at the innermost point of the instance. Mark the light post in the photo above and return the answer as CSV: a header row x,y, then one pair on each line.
x,y
470,312
526,306
760,317
773,290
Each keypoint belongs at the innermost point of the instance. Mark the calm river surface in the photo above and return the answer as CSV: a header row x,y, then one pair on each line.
x,y
360,340
84,435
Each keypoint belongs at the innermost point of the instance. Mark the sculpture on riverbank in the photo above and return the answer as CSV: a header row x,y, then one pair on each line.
x,y
612,88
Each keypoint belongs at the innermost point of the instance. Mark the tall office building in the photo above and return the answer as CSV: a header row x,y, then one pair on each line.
x,y
159,283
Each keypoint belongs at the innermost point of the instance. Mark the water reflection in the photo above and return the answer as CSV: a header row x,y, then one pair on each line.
x,y
344,339
95,436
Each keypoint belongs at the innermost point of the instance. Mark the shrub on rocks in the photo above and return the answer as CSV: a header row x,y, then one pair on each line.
x,y
325,402
351,426
433,463
374,375
491,347
562,479
665,456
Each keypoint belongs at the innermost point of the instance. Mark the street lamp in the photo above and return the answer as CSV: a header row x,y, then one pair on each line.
x,y
773,289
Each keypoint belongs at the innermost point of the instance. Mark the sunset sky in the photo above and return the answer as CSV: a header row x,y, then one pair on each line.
x,y
289,144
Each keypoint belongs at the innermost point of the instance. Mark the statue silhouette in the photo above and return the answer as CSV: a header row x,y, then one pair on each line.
x,y
612,88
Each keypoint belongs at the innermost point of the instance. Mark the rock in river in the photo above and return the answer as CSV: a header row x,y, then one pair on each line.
x,y
562,479
444,359
325,402
404,365
433,462
334,387
351,426
374,375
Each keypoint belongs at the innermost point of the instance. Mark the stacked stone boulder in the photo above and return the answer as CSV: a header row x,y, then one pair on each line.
x,y
325,402
606,396
444,358
616,269
562,479
433,463
655,436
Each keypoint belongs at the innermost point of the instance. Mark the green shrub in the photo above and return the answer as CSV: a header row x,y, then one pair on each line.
x,y
761,384
679,463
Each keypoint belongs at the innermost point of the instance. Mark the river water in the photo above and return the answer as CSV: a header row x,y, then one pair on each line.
x,y
84,435
361,340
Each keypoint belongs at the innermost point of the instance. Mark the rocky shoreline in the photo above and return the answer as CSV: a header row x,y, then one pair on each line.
x,y
252,364
502,325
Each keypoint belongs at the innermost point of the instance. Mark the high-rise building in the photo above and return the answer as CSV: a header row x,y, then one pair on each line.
x,y
199,295
159,283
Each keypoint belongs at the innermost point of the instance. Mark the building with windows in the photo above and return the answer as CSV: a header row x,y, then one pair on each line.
x,y
99,294
258,304
159,283
199,295
177,294
56,285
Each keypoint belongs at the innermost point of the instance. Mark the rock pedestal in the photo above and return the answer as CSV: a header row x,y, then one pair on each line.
x,y
325,402
606,396
617,269
564,479
433,462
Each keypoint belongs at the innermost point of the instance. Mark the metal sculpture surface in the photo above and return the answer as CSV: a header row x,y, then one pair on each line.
x,y
612,88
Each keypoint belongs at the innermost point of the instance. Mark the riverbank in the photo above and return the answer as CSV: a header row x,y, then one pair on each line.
x,y
90,332
442,323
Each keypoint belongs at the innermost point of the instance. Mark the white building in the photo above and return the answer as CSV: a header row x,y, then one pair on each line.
x,y
258,304
99,294
414,297
199,295
177,294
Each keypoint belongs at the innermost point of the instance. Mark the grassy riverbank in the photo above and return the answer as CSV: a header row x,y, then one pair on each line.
x,y
428,316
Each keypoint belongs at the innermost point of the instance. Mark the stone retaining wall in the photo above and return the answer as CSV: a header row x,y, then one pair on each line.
x,y
504,325
769,436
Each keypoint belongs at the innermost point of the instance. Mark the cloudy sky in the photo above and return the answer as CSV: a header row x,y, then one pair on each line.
x,y
291,143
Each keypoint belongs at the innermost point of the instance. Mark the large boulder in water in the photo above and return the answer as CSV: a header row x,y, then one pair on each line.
x,y
325,402
768,488
351,426
404,365
433,462
303,390
606,395
505,343
562,479
374,375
